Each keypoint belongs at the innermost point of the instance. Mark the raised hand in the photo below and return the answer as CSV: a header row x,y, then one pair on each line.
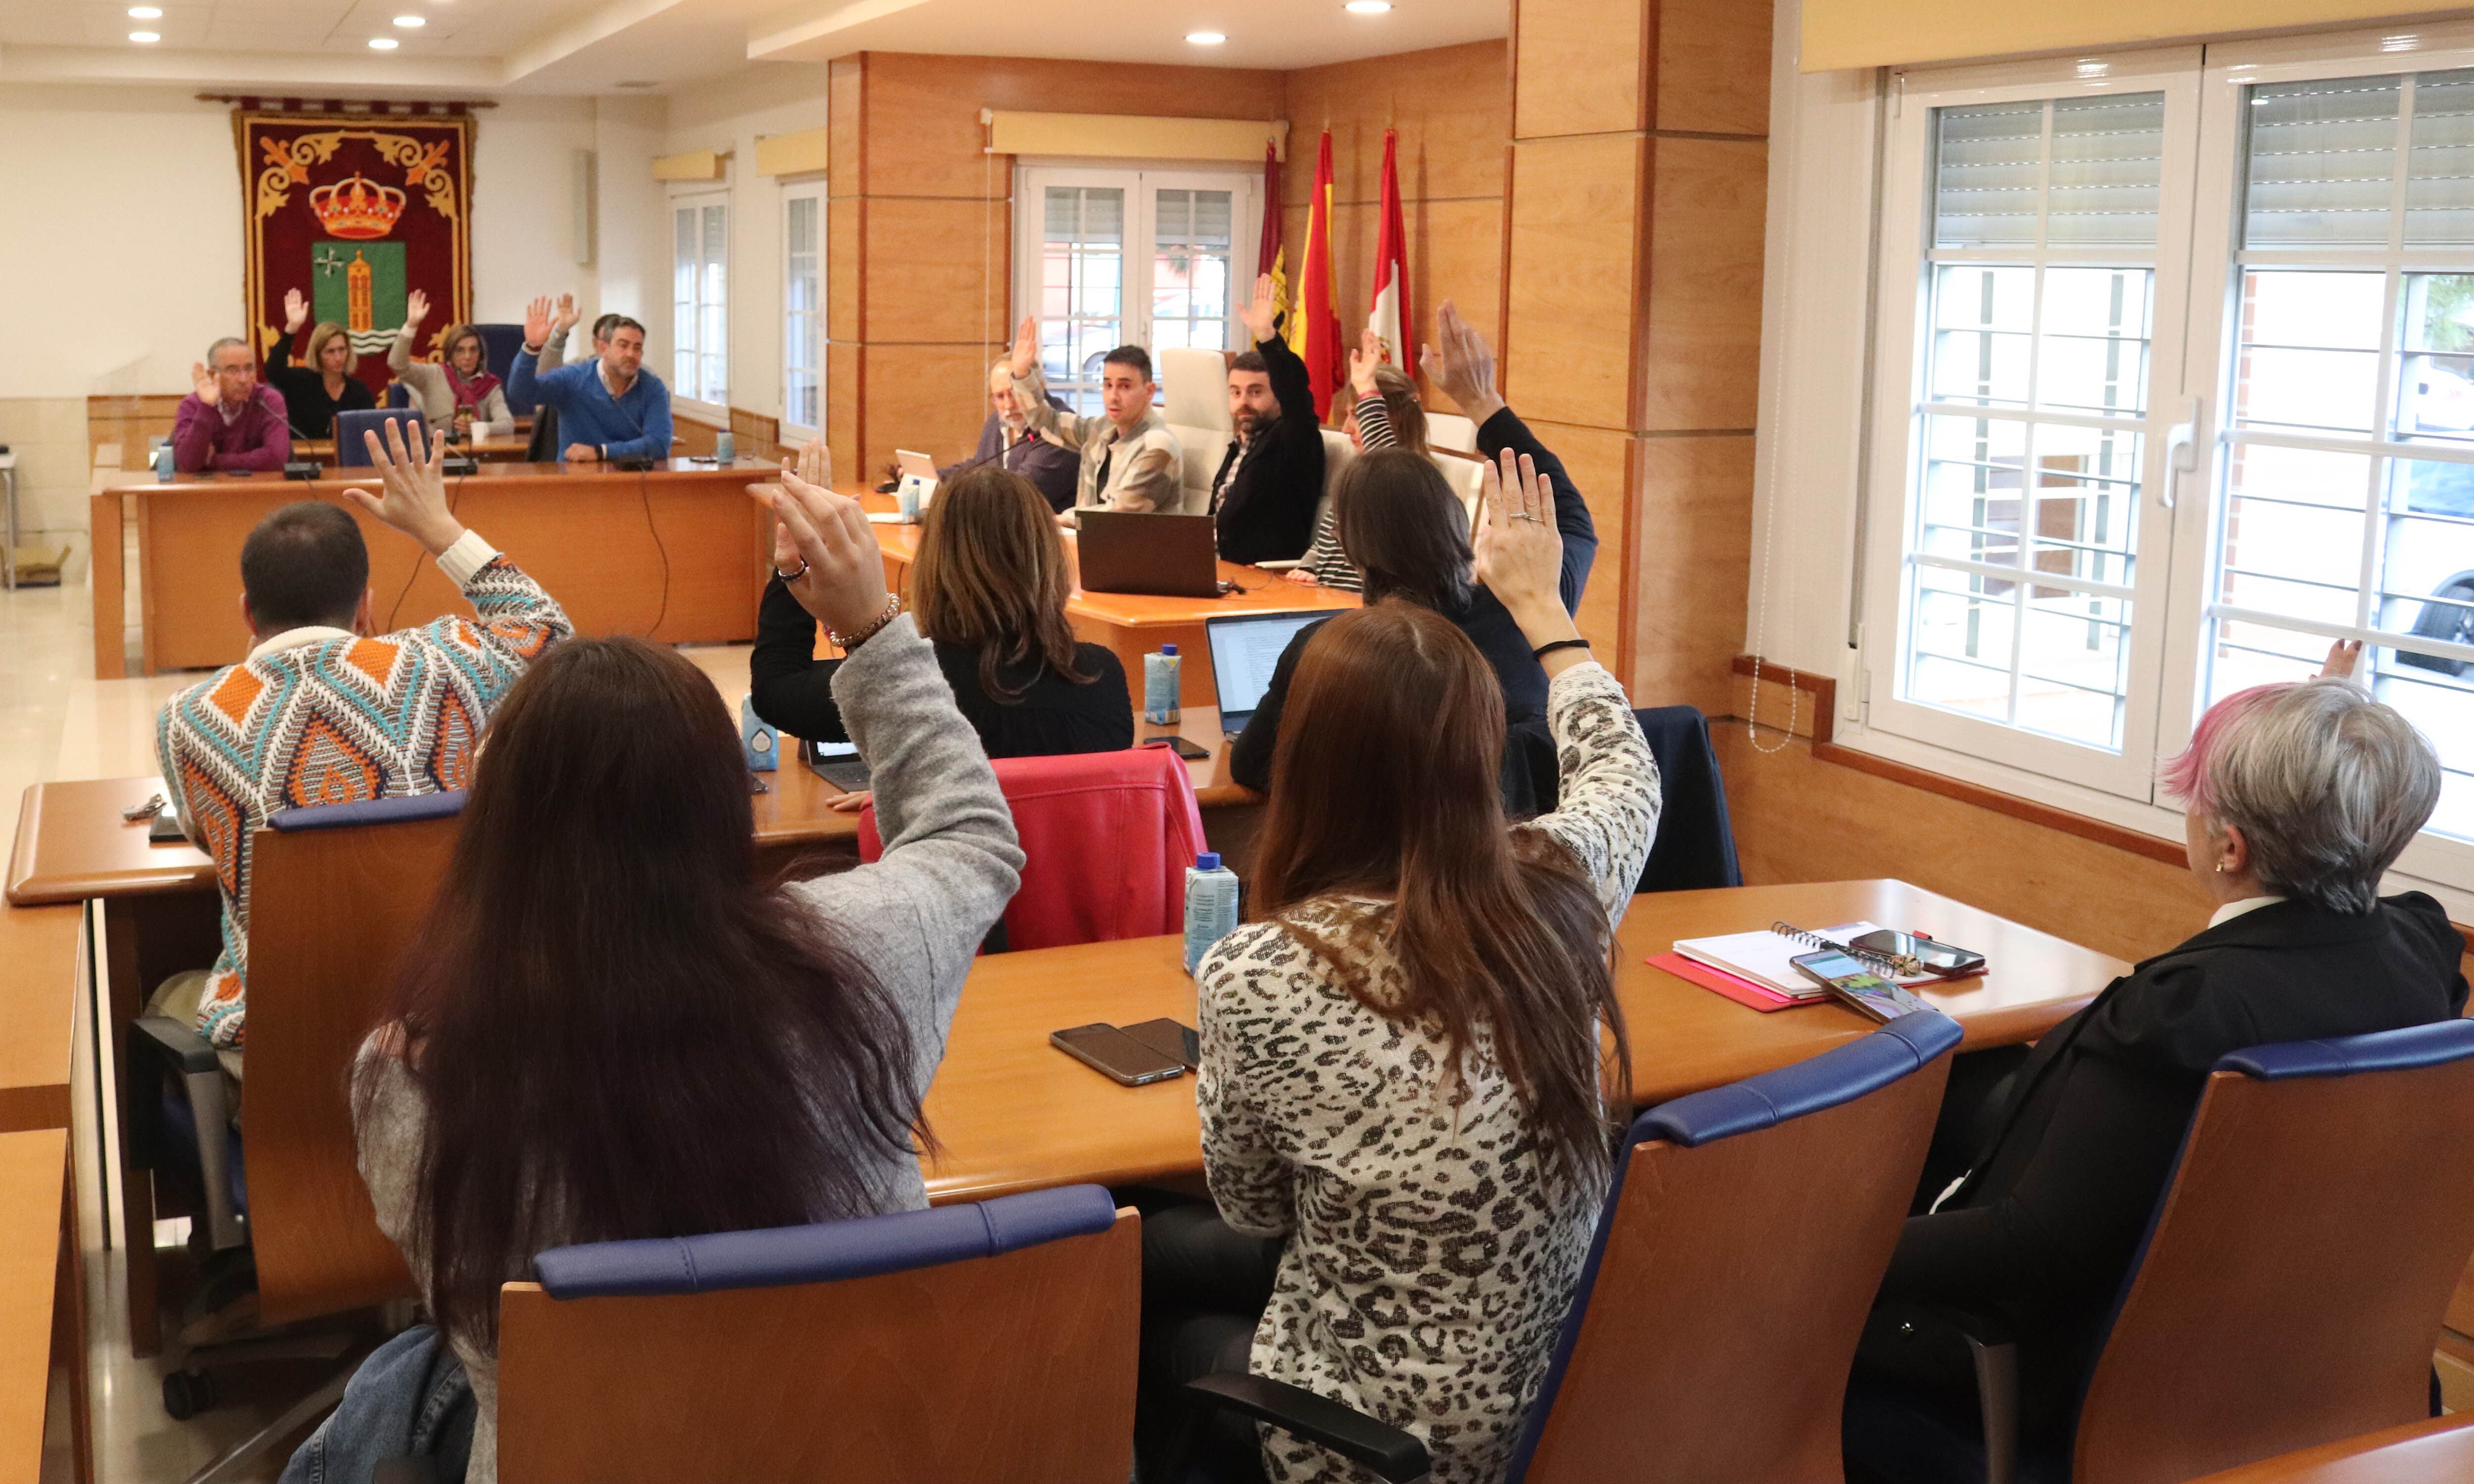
x,y
839,567
416,308
1519,552
537,323
1463,366
1263,311
567,315
413,497
1362,362
2343,657
202,381
814,463
1025,346
296,311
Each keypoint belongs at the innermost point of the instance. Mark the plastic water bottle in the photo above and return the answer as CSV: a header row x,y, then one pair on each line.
x,y
1160,681
725,448
163,461
1210,906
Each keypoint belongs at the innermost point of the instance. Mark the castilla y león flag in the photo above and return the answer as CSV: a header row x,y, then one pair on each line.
x,y
1314,328
1390,316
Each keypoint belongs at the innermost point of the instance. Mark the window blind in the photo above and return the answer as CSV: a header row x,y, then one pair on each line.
x,y
2075,172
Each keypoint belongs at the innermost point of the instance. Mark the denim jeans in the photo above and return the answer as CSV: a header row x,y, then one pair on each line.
x,y
410,1400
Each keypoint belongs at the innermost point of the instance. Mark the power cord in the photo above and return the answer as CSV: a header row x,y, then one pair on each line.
x,y
644,492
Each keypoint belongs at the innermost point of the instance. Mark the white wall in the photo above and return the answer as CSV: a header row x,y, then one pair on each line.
x,y
631,233
524,194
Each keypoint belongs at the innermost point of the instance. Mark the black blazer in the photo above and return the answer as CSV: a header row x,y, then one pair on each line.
x,y
1268,512
793,689
305,403
2045,1228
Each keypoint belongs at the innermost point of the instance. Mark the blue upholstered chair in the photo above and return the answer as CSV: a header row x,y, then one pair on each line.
x,y
1716,1320
991,1342
398,393
500,344
2288,1294
351,453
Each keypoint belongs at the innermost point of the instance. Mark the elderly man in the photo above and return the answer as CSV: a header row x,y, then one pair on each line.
x,y
1006,438
1129,459
231,424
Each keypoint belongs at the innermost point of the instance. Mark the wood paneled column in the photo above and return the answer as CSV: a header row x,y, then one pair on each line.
x,y
1632,309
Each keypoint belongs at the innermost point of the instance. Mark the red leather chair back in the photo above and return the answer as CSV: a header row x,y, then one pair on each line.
x,y
1105,837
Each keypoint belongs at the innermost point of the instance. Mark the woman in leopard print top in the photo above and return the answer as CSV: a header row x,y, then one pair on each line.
x,y
1434,1154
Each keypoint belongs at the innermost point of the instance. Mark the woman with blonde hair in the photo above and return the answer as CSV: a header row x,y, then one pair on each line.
x,y
315,391
987,588
456,391
1384,414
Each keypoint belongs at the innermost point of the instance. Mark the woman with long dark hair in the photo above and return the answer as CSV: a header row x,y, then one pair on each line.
x,y
987,588
613,1028
1402,1081
1385,415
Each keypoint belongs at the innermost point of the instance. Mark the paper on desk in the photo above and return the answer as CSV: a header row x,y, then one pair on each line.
x,y
885,517
1765,957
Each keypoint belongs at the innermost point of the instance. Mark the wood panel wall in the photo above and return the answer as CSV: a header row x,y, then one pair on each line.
x,y
1632,318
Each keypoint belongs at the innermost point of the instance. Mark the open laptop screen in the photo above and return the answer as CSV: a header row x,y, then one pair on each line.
x,y
1245,650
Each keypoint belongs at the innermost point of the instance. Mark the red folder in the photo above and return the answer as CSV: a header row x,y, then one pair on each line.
x,y
1743,991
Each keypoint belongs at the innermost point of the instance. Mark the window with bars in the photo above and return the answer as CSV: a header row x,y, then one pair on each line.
x,y
701,300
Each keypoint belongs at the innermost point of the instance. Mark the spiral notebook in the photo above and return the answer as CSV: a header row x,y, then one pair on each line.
x,y
1764,957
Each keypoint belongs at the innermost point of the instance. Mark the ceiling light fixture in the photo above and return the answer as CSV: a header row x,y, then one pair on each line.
x,y
383,43
144,12
412,22
1367,7
1206,37
144,37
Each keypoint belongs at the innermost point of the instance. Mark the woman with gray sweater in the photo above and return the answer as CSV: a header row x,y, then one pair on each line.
x,y
615,1028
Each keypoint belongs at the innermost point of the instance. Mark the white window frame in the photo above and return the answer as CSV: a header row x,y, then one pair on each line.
x,y
811,189
1141,184
1907,259
2196,384
699,201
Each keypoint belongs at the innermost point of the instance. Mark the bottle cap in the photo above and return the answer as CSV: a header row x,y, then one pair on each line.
x,y
1168,649
1208,860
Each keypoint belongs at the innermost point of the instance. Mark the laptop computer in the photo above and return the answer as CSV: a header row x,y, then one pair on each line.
x,y
1162,556
1246,648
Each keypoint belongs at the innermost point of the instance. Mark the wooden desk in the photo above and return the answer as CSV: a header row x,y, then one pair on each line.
x,y
42,1320
38,985
2438,1451
510,450
1133,625
677,554
1012,1113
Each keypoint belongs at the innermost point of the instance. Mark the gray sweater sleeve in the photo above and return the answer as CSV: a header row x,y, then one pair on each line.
x,y
951,861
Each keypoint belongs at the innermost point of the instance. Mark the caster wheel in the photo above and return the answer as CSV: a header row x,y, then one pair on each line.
x,y
187,1393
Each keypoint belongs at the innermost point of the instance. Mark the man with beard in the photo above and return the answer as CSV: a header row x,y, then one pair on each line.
x,y
1265,493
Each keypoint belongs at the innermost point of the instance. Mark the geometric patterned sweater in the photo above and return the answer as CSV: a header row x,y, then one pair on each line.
x,y
317,715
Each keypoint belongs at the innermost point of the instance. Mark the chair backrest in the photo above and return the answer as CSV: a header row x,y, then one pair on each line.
x,y
1451,430
2436,1450
1204,448
1466,477
2291,1285
351,453
1106,838
500,344
1696,840
398,393
1715,1324
1194,388
335,895
993,1342
543,446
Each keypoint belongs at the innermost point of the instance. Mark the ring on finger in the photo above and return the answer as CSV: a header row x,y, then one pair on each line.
x,y
789,578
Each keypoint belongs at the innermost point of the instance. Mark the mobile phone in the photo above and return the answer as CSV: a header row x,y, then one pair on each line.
x,y
1116,1055
1857,986
1188,751
1171,1037
1932,955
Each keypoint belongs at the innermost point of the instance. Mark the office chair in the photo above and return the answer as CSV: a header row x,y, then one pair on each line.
x,y
398,394
350,452
2288,1292
1696,840
991,1342
1736,1259
291,1228
543,446
500,344
1106,838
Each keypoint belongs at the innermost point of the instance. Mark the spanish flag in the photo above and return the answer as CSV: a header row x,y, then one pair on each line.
x,y
1313,327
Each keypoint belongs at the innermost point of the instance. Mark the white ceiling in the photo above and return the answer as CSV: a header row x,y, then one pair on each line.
x,y
588,46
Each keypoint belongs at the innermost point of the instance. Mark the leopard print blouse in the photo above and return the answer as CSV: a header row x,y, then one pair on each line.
x,y
1430,1259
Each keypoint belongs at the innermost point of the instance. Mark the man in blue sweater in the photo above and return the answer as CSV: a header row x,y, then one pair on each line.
x,y
609,407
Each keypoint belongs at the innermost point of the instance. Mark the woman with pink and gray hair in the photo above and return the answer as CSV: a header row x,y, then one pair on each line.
x,y
2298,798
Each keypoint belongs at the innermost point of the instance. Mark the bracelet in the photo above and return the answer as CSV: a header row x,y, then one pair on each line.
x,y
1545,650
847,643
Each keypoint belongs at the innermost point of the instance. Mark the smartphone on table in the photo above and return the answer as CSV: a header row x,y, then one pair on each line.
x,y
1930,955
1171,1037
1857,986
1116,1055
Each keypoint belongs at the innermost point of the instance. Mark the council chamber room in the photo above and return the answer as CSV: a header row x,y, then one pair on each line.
x,y
1339,740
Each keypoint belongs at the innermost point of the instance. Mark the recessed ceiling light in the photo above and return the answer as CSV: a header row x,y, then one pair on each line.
x,y
1367,7
412,22
383,43
144,12
144,37
1206,37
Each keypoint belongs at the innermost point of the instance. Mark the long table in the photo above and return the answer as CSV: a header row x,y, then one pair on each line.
x,y
676,554
43,1319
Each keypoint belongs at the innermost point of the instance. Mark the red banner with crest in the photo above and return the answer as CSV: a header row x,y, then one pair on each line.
x,y
356,211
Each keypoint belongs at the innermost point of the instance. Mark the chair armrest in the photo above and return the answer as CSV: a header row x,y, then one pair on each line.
x,y
194,1059
180,1045
1391,1453
1995,1349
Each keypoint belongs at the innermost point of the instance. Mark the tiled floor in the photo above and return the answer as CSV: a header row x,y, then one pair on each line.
x,y
57,722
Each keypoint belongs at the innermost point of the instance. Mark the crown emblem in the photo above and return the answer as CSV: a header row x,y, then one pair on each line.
x,y
357,207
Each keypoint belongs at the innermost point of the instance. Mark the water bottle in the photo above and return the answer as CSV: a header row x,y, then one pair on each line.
x,y
725,448
1160,680
1210,906
163,461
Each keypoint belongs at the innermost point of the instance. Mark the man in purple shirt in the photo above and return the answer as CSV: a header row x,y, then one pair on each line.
x,y
229,422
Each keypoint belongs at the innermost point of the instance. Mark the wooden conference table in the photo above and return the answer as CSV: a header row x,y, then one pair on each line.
x,y
43,1316
676,554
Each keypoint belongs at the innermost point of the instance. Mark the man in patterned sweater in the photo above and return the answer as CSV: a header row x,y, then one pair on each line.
x,y
324,710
